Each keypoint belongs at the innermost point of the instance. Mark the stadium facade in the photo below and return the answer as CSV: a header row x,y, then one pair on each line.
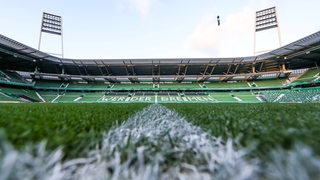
x,y
287,74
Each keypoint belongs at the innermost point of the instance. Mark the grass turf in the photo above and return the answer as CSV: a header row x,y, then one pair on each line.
x,y
79,126
266,126
75,127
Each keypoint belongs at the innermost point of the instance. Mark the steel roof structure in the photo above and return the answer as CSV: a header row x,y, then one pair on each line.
x,y
303,53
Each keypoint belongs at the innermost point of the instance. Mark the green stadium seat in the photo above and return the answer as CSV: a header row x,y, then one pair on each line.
x,y
268,83
308,77
227,85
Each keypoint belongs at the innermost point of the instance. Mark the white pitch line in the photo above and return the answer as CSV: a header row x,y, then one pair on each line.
x,y
156,143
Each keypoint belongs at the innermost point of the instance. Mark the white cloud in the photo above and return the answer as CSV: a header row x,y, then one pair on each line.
x,y
143,6
234,37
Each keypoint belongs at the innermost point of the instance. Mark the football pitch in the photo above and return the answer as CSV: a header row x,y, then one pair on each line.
x,y
143,141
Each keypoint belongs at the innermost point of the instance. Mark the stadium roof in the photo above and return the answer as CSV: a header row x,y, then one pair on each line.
x,y
303,53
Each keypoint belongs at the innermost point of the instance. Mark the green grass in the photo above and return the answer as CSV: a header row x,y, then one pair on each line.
x,y
266,126
75,127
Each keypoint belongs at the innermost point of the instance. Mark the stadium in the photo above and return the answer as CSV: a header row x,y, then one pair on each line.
x,y
286,74
253,117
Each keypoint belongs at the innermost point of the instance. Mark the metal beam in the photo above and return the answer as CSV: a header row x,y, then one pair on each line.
x,y
301,52
253,68
85,68
229,69
307,59
105,67
304,46
132,67
235,71
77,67
179,68
168,76
213,67
186,68
126,67
261,65
205,70
99,67
179,78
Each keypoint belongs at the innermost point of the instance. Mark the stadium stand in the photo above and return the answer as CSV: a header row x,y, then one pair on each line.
x,y
126,99
22,94
10,77
173,86
227,85
302,95
50,84
6,98
91,97
69,97
310,76
49,96
224,97
269,83
246,96
133,86
287,74
273,95
15,77
85,85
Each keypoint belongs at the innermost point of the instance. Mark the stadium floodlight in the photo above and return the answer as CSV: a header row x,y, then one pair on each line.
x,y
51,24
266,19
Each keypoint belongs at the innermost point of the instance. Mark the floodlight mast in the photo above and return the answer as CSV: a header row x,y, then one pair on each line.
x,y
51,24
266,19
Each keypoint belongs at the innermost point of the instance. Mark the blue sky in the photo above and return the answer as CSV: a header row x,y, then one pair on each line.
x,y
156,28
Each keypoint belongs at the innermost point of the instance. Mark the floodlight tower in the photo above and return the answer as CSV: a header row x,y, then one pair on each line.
x,y
51,24
266,19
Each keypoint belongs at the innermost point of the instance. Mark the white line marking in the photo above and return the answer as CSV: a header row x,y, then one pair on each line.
x,y
156,143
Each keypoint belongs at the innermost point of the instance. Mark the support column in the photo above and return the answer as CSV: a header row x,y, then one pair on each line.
x,y
253,69
283,67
